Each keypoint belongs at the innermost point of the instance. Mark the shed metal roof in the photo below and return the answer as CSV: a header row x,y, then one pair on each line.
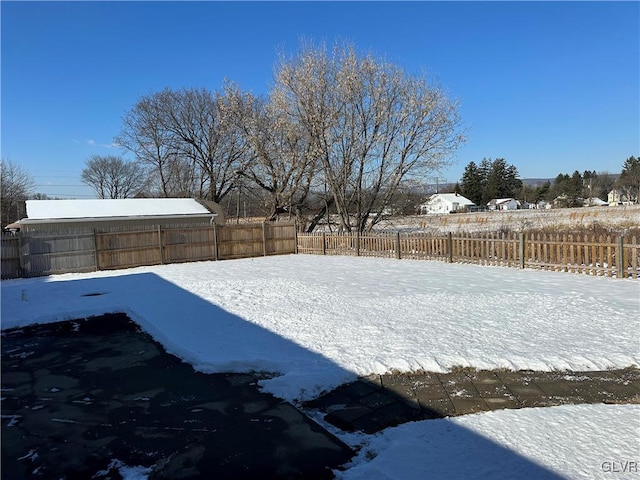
x,y
117,208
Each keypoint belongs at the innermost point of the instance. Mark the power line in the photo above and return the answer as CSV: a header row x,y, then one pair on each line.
x,y
55,176
58,185
72,195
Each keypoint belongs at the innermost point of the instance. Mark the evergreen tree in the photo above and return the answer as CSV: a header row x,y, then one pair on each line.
x,y
484,169
629,180
542,191
567,190
472,183
512,182
489,180
502,181
574,190
557,190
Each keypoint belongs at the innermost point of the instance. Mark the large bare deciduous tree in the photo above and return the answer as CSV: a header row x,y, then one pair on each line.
x,y
16,184
112,177
145,135
281,161
372,126
337,130
190,138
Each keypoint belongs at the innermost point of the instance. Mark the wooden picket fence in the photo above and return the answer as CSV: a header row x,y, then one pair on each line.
x,y
611,256
37,254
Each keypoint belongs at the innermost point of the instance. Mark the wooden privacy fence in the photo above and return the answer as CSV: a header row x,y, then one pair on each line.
x,y
36,254
612,256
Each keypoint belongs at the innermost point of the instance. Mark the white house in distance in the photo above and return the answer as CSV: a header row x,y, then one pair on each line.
x,y
616,197
503,204
445,203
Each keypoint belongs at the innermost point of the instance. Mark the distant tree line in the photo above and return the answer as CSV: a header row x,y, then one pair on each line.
x,y
338,132
491,179
17,185
579,188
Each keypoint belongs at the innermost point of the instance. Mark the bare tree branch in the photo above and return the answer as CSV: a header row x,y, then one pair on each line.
x,y
111,177
16,184
372,125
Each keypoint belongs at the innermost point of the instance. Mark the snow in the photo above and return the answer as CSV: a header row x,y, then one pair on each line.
x,y
322,321
100,208
125,471
451,198
569,441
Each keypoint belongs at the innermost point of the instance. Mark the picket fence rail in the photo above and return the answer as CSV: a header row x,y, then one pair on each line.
x,y
611,256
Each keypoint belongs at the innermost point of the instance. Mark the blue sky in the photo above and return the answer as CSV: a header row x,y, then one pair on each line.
x,y
550,86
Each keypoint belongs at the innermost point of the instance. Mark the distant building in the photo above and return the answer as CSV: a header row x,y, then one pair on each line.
x,y
503,204
564,201
616,197
445,203
594,202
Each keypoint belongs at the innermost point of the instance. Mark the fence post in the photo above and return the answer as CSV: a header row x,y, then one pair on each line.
x,y
95,249
264,239
324,243
358,243
398,245
21,254
620,257
295,234
160,244
450,247
523,260
215,241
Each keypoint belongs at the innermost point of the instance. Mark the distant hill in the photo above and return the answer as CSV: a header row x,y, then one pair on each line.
x,y
430,188
448,187
536,182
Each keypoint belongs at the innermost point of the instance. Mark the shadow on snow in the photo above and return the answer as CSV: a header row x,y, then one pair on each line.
x,y
212,339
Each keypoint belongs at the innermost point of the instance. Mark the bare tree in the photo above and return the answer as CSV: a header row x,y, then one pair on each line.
x,y
15,186
111,177
190,138
337,131
281,161
144,134
371,125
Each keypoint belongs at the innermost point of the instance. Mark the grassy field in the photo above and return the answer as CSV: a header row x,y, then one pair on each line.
x,y
621,219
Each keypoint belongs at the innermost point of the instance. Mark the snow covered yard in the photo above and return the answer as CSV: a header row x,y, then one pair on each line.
x,y
322,321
